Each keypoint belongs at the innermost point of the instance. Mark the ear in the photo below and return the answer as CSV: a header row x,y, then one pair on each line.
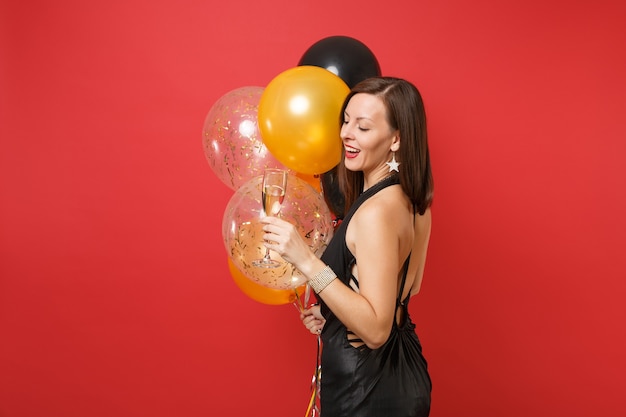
x,y
395,142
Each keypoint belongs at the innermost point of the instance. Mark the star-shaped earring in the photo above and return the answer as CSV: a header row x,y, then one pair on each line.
x,y
393,165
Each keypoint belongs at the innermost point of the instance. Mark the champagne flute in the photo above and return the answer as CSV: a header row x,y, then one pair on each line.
x,y
273,193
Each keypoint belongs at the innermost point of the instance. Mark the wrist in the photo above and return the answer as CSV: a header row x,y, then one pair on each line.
x,y
310,265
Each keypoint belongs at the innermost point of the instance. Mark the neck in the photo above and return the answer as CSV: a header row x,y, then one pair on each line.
x,y
373,180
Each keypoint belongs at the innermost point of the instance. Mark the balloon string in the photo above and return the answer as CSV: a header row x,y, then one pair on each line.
x,y
298,302
313,410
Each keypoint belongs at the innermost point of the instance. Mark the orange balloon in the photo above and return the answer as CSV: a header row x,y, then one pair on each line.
x,y
312,180
299,117
261,293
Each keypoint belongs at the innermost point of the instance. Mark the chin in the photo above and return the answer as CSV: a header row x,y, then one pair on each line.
x,y
350,165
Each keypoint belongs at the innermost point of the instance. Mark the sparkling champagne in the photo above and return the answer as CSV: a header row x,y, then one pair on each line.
x,y
273,196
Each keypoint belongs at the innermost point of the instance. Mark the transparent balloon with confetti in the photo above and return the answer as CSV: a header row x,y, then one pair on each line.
x,y
231,139
242,231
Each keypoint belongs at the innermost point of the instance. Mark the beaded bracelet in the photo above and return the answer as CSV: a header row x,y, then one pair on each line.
x,y
322,279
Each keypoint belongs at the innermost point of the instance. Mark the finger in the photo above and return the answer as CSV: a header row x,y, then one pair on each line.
x,y
269,239
267,219
271,220
268,228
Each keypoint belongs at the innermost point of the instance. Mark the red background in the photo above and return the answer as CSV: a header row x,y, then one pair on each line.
x,y
115,296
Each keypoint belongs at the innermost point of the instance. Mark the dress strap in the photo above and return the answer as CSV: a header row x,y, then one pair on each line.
x,y
405,270
386,182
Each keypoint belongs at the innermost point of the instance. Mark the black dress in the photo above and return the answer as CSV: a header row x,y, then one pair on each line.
x,y
391,381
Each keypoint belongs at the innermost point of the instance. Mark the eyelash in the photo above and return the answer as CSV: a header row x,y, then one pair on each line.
x,y
362,129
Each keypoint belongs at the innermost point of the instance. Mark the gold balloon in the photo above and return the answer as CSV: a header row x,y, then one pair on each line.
x,y
299,117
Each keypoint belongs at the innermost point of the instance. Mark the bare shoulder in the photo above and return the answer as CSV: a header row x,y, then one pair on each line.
x,y
388,213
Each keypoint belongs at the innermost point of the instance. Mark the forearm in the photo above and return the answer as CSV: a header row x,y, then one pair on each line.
x,y
355,312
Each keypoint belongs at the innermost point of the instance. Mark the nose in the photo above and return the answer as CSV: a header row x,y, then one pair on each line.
x,y
346,131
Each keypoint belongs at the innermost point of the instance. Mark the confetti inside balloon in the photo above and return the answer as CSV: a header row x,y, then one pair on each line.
x,y
261,293
231,138
242,232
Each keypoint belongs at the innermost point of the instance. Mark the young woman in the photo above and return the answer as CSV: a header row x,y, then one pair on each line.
x,y
372,363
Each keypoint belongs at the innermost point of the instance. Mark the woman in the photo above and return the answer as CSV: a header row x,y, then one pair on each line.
x,y
372,364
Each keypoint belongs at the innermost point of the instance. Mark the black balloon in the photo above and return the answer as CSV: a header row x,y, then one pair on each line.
x,y
348,58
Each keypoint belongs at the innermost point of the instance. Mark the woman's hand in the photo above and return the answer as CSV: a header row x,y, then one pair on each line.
x,y
283,238
312,319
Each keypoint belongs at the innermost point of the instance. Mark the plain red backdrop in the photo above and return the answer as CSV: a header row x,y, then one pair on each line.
x,y
115,296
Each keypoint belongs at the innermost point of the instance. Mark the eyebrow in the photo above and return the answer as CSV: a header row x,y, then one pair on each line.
x,y
358,118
